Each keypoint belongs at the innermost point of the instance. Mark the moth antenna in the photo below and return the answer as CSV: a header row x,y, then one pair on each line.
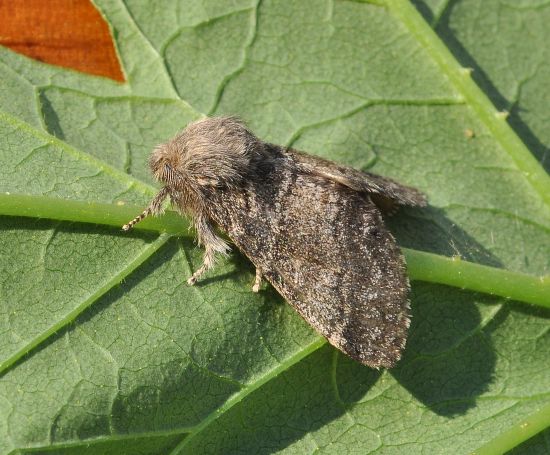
x,y
136,220
154,208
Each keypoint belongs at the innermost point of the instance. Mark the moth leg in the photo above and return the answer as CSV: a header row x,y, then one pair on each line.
x,y
212,245
154,208
257,280
207,263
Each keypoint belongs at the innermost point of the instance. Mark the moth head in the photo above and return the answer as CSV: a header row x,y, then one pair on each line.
x,y
210,153
163,161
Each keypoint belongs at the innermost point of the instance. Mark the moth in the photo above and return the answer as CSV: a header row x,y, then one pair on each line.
x,y
313,228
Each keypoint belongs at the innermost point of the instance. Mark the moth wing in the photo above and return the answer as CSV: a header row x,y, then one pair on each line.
x,y
325,248
385,193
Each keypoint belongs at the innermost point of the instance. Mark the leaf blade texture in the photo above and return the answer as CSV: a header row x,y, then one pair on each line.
x,y
125,357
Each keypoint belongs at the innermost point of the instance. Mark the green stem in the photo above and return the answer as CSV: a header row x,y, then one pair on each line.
x,y
519,433
422,266
460,77
476,277
88,212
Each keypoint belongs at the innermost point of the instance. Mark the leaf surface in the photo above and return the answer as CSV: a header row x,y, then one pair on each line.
x,y
125,357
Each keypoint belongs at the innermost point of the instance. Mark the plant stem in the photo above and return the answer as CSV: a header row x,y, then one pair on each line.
x,y
422,266
476,277
88,212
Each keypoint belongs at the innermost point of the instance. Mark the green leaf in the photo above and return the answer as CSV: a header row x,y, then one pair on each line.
x,y
105,349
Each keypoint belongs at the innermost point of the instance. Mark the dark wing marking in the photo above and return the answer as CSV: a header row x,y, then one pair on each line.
x,y
384,192
325,248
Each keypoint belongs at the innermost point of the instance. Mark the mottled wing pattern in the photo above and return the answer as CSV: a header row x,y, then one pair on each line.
x,y
325,248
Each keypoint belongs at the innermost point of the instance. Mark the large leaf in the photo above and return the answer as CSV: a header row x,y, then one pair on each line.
x,y
104,348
